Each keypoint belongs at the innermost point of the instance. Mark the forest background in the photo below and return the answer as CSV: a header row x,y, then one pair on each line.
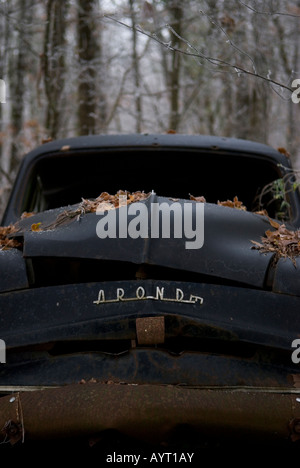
x,y
79,67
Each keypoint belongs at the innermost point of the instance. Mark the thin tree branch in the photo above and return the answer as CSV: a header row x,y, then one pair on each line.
x,y
270,13
229,40
118,97
7,176
213,60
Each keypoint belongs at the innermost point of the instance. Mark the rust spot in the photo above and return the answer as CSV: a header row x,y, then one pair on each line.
x,y
150,330
150,413
296,380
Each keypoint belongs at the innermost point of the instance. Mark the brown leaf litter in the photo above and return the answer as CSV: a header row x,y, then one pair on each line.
x,y
6,242
200,199
233,204
282,242
103,202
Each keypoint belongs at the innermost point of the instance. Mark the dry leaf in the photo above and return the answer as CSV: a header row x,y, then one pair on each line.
x,y
36,227
274,223
7,242
200,199
262,212
46,140
282,241
104,206
27,215
103,202
283,151
233,204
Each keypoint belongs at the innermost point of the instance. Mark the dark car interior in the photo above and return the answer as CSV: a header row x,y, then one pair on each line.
x,y
62,180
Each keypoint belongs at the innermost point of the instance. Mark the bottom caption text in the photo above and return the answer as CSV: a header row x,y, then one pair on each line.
x,y
155,457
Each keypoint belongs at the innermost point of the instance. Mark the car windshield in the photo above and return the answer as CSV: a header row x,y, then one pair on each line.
x,y
61,180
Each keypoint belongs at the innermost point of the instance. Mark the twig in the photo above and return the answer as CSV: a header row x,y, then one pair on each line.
x,y
213,60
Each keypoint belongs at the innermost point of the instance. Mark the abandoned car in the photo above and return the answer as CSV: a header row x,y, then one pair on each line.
x,y
150,287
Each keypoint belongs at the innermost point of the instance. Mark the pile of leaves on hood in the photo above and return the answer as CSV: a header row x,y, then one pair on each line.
x,y
103,202
235,203
282,242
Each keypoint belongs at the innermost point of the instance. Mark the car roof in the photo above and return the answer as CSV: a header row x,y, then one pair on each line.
x,y
209,142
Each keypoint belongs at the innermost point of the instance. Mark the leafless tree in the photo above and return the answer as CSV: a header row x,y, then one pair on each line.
x,y
200,66
53,62
87,51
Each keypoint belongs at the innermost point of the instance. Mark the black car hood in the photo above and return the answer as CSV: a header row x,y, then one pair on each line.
x,y
227,251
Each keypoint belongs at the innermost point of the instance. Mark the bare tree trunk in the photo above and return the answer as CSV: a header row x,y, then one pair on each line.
x,y
259,93
17,73
292,131
177,15
5,179
4,38
54,62
87,50
136,70
101,80
171,61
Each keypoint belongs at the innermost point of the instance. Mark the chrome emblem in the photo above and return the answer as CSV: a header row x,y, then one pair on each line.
x,y
140,295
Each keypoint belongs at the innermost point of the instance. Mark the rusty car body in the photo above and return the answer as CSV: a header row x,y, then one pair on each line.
x,y
141,336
